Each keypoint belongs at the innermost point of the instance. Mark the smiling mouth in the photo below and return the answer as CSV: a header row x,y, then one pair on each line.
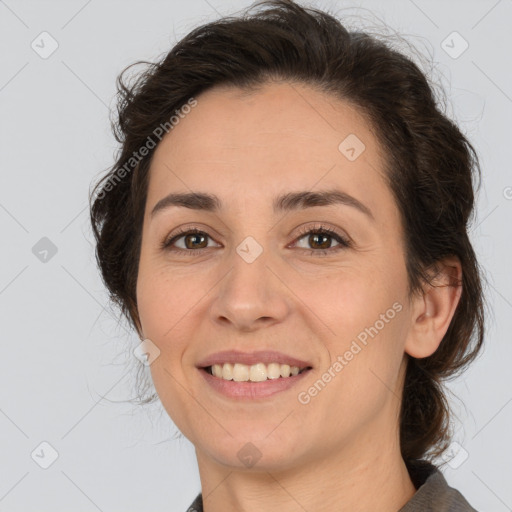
x,y
259,372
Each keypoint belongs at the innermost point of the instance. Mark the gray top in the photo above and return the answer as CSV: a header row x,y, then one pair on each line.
x,y
433,493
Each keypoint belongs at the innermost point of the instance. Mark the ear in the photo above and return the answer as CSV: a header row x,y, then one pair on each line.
x,y
434,308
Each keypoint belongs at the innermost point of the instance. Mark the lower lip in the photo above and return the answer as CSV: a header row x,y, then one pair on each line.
x,y
248,390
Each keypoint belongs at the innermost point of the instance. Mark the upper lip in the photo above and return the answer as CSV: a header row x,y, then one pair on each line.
x,y
250,358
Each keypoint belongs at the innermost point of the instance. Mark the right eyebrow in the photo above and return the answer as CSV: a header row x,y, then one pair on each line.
x,y
191,200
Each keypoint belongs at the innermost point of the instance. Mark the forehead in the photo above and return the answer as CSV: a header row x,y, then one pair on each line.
x,y
280,137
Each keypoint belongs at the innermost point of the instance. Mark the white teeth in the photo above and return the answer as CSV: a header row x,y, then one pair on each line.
x,y
254,373
258,372
273,371
240,372
285,370
217,370
226,371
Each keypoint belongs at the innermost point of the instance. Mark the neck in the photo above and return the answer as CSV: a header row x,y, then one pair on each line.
x,y
359,477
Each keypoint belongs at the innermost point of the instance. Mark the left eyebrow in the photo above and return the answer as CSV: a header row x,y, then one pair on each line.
x,y
302,200
286,202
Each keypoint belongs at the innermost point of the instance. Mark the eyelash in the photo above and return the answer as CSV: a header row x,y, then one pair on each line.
x,y
318,229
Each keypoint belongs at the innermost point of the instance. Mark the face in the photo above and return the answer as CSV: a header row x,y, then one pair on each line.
x,y
318,283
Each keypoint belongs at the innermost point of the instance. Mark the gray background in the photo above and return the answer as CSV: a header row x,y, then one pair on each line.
x,y
63,372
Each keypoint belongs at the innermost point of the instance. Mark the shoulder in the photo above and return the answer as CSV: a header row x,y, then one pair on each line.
x,y
197,505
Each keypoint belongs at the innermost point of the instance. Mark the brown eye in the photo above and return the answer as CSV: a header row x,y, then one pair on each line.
x,y
322,241
194,241
188,240
319,240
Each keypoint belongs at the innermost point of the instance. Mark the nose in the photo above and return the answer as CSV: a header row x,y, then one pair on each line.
x,y
251,296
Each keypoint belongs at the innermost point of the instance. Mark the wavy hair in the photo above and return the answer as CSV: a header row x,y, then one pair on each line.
x,y
430,167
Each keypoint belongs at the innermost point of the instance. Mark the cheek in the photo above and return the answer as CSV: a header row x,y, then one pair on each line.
x,y
353,299
367,316
172,306
162,300
165,315
362,380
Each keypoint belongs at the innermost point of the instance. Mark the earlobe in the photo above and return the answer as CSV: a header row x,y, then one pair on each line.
x,y
434,309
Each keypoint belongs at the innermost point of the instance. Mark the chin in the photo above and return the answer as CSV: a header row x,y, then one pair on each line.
x,y
256,451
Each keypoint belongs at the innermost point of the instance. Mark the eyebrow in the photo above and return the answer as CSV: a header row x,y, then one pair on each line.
x,y
283,203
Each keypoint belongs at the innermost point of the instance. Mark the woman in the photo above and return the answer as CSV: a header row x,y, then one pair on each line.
x,y
286,229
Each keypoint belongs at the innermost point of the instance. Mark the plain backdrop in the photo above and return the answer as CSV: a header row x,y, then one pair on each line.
x,y
63,375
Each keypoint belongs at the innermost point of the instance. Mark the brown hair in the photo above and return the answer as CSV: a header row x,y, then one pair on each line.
x,y
430,167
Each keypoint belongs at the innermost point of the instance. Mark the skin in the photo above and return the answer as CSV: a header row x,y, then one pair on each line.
x,y
330,452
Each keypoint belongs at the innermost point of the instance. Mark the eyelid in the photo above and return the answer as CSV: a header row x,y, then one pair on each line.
x,y
320,227
344,241
182,231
